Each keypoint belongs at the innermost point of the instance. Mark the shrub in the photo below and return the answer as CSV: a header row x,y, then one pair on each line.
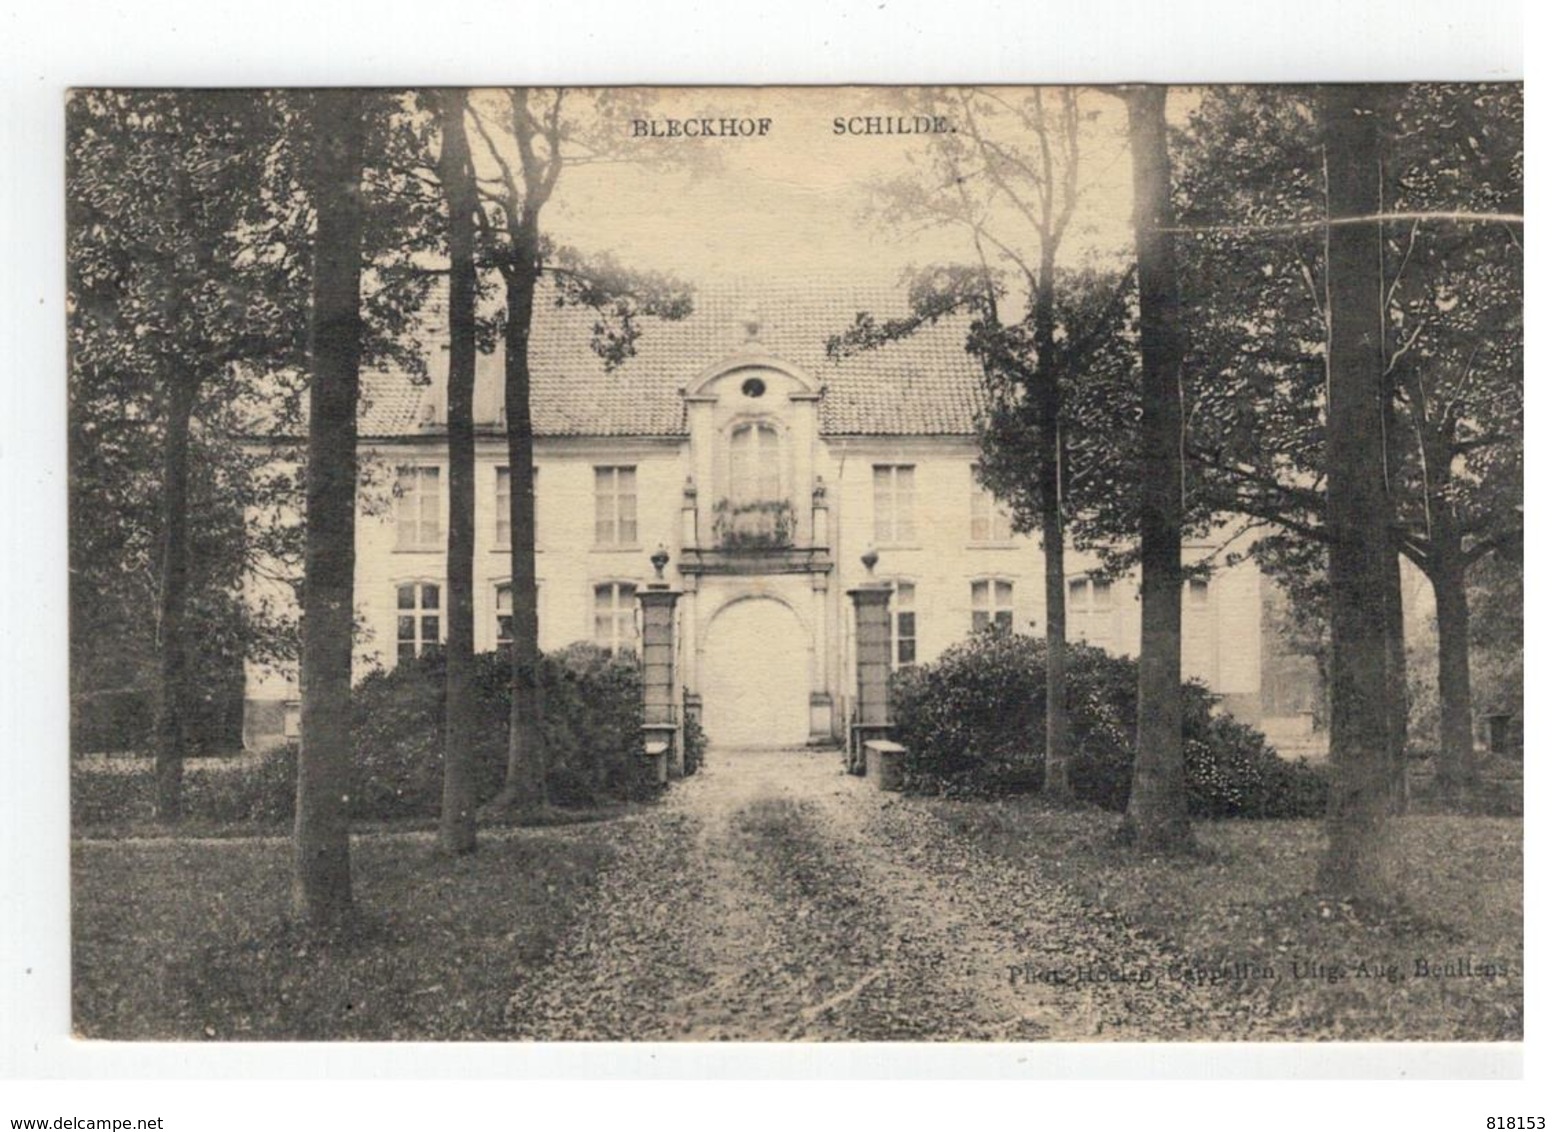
x,y
591,732
251,790
695,745
974,722
260,789
593,726
111,790
592,736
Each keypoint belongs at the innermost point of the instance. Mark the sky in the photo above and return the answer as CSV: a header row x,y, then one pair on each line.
x,y
795,204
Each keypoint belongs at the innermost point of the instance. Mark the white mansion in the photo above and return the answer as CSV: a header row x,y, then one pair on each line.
x,y
766,471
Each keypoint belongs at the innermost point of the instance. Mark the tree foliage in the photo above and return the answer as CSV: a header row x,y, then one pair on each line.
x,y
1450,275
189,222
529,138
178,276
1009,177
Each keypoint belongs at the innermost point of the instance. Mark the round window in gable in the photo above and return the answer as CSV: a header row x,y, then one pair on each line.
x,y
753,387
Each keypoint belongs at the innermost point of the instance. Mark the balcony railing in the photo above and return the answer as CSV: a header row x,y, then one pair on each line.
x,y
753,538
761,525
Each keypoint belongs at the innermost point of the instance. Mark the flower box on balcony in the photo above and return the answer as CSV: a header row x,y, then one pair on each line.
x,y
766,524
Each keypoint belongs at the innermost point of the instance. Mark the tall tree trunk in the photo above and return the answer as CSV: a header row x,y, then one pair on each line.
x,y
1049,407
1447,567
525,785
1448,578
456,831
1358,509
1056,783
172,643
1157,806
1397,690
1383,103
322,879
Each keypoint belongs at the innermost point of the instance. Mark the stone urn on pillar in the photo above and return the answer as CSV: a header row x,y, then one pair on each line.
x,y
660,715
871,637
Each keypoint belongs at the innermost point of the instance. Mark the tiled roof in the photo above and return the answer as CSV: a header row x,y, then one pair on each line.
x,y
921,386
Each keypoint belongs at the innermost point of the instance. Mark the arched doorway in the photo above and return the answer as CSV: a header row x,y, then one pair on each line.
x,y
755,676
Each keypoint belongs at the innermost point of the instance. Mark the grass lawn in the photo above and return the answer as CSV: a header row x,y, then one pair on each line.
x,y
186,938
1417,971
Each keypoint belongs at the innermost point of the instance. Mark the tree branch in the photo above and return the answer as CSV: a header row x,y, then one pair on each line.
x,y
1500,541
1397,278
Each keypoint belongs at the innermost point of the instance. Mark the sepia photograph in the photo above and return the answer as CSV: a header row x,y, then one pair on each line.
x,y
796,564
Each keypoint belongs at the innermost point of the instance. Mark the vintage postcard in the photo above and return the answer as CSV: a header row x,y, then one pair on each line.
x,y
827,564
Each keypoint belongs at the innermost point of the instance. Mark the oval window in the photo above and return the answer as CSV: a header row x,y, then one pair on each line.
x,y
753,387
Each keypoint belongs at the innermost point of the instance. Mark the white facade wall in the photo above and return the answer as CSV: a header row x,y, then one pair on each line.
x,y
568,561
939,557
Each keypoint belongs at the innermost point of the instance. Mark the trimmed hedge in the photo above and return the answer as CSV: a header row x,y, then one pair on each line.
x,y
592,732
973,722
252,790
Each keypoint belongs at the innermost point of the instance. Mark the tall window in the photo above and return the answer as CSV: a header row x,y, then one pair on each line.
x,y
504,508
895,502
420,618
615,625
418,508
615,506
904,624
1197,629
992,604
989,523
754,467
504,613
1090,610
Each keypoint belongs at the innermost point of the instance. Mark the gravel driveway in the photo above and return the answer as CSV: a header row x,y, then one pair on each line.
x,y
773,897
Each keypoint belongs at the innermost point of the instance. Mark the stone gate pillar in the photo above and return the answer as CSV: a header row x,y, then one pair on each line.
x,y
871,636
660,714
